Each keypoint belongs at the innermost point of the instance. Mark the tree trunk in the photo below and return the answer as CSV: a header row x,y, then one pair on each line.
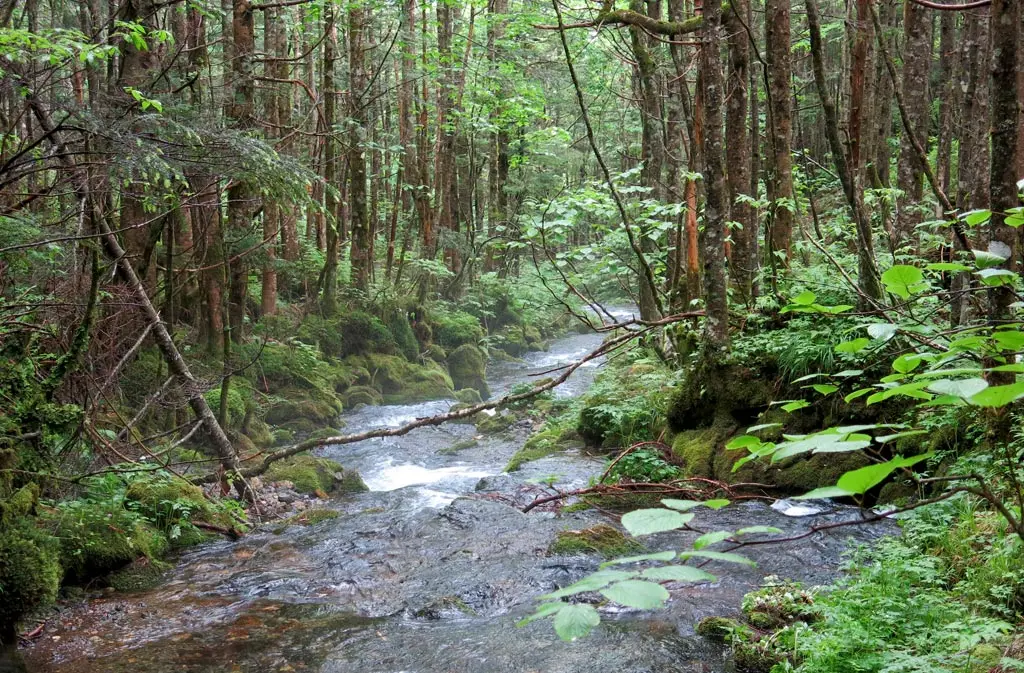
x,y
777,47
360,245
716,305
744,268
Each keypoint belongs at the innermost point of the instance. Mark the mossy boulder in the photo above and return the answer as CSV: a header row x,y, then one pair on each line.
x,y
139,575
173,502
311,404
723,629
601,539
492,424
30,573
362,333
436,353
713,390
313,474
468,396
453,328
539,445
701,453
404,382
467,365
20,504
516,340
401,331
97,538
367,395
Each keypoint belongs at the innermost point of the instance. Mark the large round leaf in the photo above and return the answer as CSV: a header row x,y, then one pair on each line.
x,y
637,594
648,521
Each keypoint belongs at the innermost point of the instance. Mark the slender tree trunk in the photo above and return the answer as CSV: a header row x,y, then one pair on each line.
x,y
1003,192
716,305
777,47
744,267
329,301
360,245
917,53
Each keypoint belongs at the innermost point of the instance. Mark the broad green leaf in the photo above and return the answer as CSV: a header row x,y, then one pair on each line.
x,y
847,373
958,387
824,492
825,388
795,405
906,363
808,377
882,330
575,621
593,582
853,346
863,479
884,439
708,539
805,298
742,442
1009,339
666,555
716,503
976,217
678,574
544,610
947,266
763,426
857,393
758,530
904,280
986,260
637,594
995,277
728,557
680,505
998,396
649,521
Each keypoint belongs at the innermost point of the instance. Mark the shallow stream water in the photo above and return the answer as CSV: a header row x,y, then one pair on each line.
x,y
426,573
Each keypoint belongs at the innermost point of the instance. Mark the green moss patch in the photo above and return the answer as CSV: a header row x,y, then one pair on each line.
x,y
601,539
467,365
313,474
30,572
310,517
139,575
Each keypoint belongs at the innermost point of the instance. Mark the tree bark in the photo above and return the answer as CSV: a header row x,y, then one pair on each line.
x,y
716,305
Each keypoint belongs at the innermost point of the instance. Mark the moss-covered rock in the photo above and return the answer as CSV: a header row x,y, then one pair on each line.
x,y
404,382
701,453
139,575
309,517
458,447
601,539
357,395
97,538
312,474
401,331
493,424
170,503
712,390
539,445
468,396
723,629
311,404
453,328
30,573
20,504
436,353
467,365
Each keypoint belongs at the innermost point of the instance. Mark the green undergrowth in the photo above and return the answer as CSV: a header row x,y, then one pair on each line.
x,y
625,404
948,595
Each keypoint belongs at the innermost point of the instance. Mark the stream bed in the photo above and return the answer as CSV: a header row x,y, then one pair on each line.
x,y
428,572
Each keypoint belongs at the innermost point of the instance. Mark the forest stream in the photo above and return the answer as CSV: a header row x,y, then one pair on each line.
x,y
429,571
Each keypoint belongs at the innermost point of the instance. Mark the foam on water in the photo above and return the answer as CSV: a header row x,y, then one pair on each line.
x,y
395,476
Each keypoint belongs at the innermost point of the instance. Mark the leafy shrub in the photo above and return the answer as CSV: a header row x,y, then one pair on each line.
x,y
646,464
